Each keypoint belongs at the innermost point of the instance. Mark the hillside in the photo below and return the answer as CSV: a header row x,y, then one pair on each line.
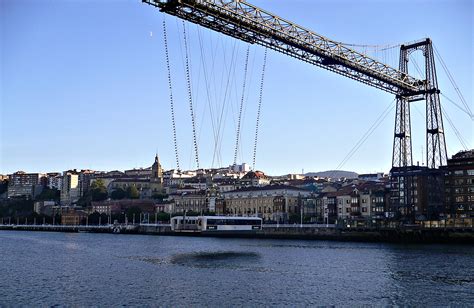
x,y
334,174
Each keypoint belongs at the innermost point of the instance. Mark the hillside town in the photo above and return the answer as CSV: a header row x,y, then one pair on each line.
x,y
152,195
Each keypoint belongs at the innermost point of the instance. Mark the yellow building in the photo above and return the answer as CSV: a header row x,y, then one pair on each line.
x,y
275,202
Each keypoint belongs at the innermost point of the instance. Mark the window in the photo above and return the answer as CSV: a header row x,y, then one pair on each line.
x,y
364,209
470,172
458,172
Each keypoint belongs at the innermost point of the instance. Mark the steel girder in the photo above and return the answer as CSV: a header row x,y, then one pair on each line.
x,y
249,23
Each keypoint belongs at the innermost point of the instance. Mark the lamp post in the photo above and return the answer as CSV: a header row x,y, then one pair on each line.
x,y
301,216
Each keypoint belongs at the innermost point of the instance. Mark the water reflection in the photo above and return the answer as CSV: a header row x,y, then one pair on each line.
x,y
226,259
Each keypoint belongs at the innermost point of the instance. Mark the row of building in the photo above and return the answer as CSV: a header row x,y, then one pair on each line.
x,y
238,191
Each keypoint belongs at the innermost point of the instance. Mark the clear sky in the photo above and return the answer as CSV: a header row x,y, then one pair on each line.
x,y
84,85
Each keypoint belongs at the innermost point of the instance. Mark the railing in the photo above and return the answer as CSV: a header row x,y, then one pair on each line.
x,y
299,226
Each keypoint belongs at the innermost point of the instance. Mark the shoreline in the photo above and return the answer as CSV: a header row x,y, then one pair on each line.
x,y
398,236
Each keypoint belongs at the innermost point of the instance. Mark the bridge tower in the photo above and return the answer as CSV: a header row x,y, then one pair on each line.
x,y
418,190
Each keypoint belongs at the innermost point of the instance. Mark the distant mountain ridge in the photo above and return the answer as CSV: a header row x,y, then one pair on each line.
x,y
334,174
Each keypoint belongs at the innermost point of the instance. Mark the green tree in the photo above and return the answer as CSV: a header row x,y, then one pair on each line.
x,y
94,218
133,193
162,216
98,190
3,186
131,211
294,218
85,201
118,194
49,194
159,196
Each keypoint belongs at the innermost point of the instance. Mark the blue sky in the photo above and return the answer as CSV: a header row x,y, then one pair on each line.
x,y
84,85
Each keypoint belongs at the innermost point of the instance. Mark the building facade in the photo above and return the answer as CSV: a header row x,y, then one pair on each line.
x,y
459,185
25,185
272,203
70,188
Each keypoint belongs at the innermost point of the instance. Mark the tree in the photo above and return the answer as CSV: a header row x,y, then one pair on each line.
x,y
104,219
3,186
98,190
85,201
118,194
294,218
94,218
133,193
159,196
49,194
133,210
162,216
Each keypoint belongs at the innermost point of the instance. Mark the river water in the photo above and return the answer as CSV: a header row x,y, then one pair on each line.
x,y
84,269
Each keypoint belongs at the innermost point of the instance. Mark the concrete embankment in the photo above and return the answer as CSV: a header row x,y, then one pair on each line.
x,y
401,235
459,236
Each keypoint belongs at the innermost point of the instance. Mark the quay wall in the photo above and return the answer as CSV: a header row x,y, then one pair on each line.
x,y
400,235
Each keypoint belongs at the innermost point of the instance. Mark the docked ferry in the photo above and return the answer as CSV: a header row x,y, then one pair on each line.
x,y
216,223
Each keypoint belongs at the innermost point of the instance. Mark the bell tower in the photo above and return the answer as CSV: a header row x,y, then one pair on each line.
x,y
156,171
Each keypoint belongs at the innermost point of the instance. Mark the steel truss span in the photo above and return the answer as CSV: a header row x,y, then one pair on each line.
x,y
246,22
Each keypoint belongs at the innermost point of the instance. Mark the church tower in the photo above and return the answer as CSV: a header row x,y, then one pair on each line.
x,y
156,171
156,179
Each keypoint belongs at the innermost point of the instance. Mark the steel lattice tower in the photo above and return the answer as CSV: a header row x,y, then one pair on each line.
x,y
405,176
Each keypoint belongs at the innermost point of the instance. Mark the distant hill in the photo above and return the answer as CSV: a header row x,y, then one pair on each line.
x,y
334,174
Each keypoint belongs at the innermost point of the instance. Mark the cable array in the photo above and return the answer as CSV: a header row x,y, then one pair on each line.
x,y
237,139
456,131
173,121
366,135
260,96
190,97
454,84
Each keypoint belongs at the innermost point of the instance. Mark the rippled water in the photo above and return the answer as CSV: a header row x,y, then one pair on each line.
x,y
106,269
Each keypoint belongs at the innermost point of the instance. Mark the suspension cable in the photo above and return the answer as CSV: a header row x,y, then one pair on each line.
x,y
259,108
237,139
173,121
207,83
366,135
457,105
190,98
453,82
456,131
227,89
